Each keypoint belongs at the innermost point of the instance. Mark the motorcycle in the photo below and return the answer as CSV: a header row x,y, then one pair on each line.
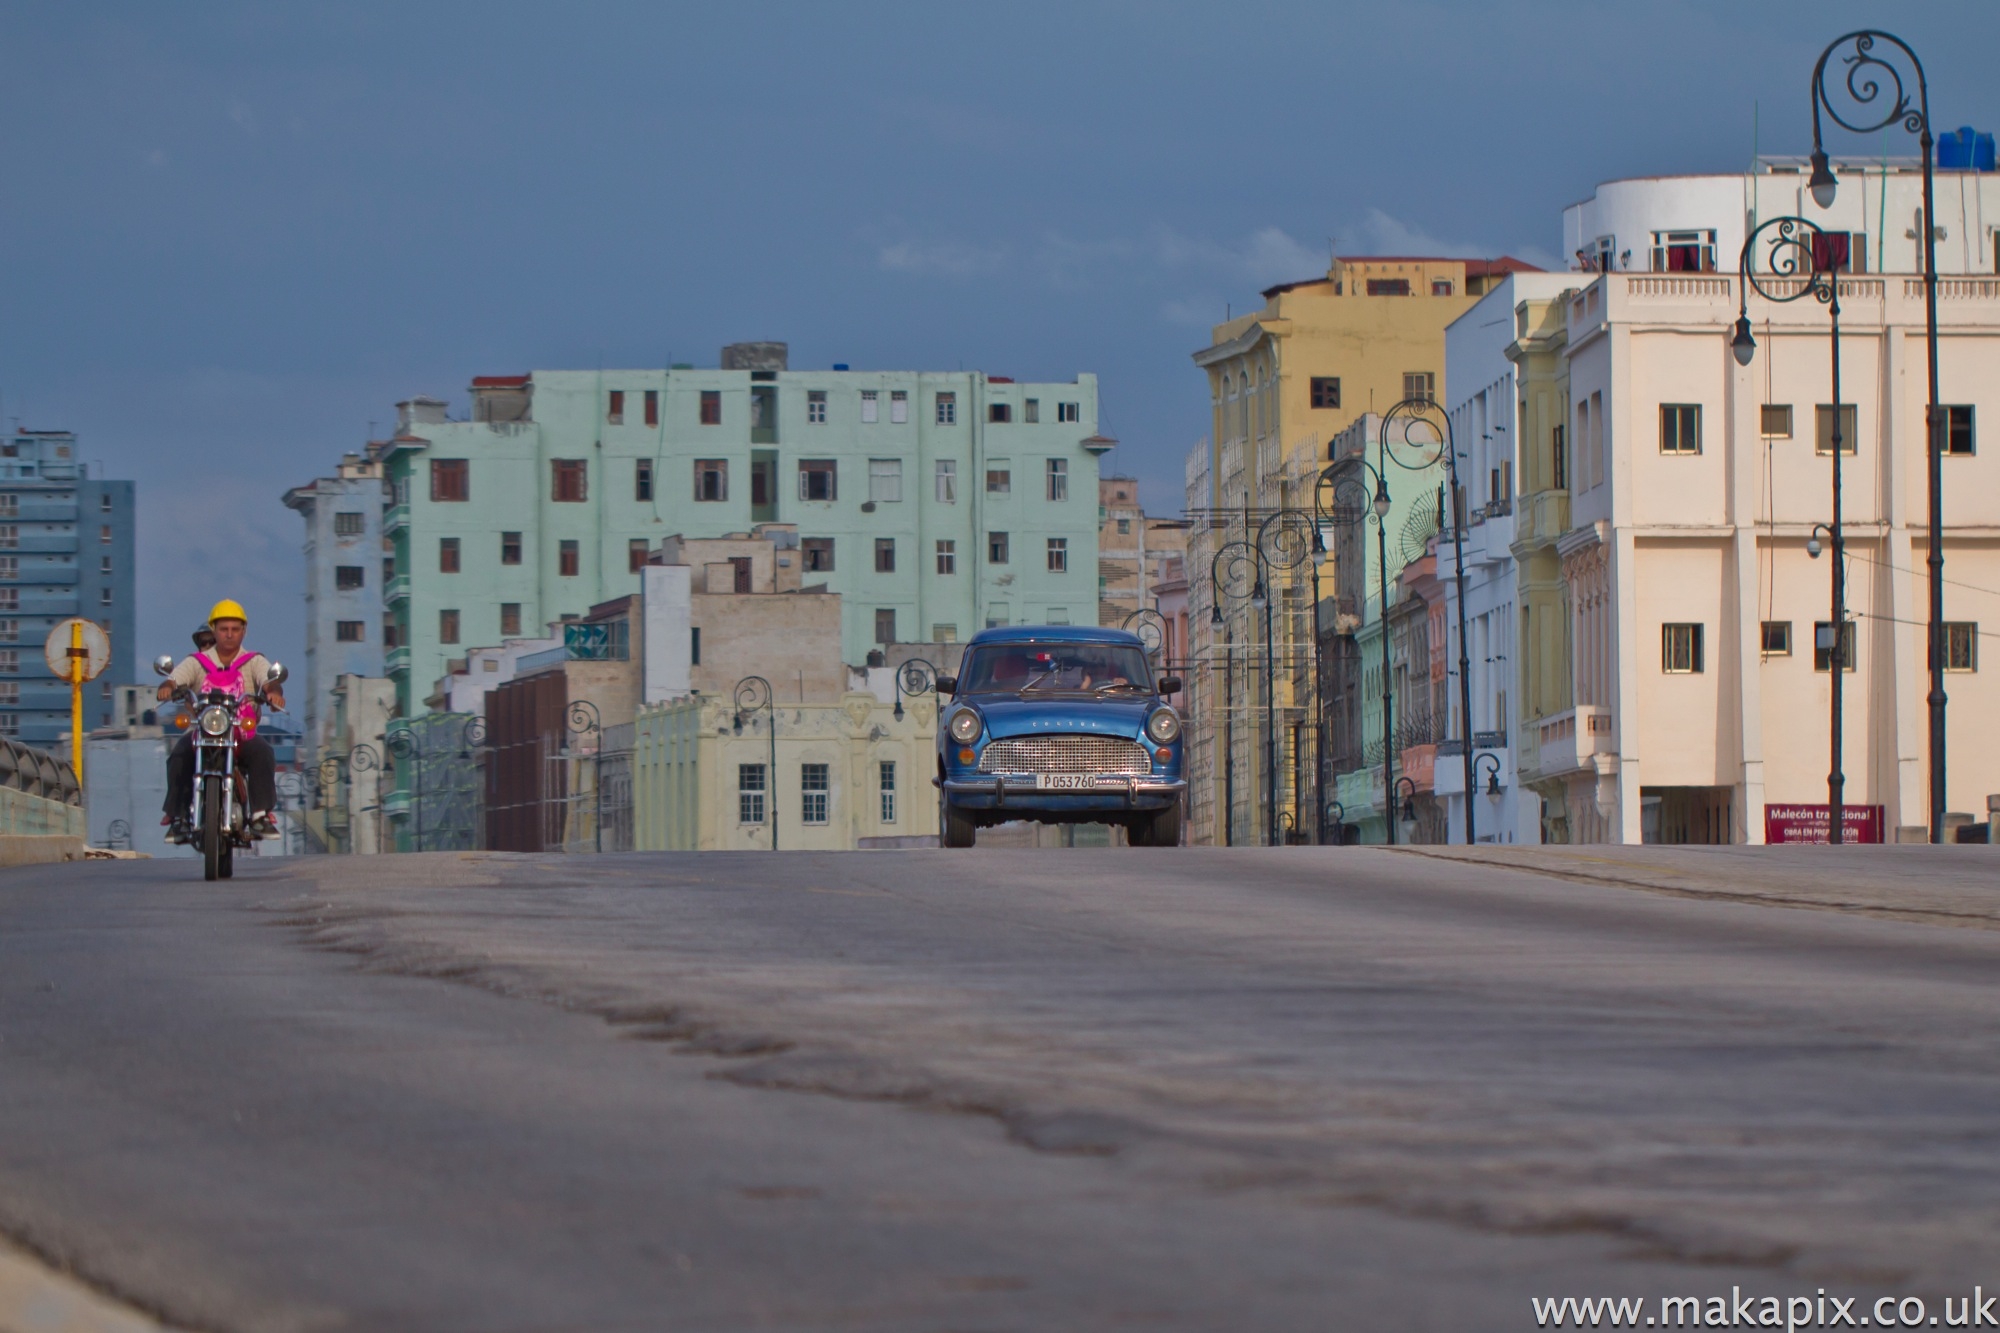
x,y
220,814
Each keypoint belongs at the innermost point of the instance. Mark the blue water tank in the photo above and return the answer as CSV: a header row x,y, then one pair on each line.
x,y
842,365
1965,149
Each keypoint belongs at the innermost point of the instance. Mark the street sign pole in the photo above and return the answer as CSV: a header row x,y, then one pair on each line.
x,y
79,660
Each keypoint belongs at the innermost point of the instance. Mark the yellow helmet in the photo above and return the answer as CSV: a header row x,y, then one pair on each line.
x,y
227,610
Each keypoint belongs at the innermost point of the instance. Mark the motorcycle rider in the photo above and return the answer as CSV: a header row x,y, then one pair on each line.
x,y
227,666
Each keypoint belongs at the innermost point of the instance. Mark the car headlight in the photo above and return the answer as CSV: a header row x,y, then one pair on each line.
x,y
215,721
1163,725
965,726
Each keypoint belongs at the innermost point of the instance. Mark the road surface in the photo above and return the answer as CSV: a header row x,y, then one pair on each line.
x,y
1116,1088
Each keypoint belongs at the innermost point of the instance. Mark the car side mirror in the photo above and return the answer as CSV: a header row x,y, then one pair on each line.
x,y
1170,685
947,686
276,675
163,665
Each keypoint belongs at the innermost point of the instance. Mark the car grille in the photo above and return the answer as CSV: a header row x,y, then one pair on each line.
x,y
1065,754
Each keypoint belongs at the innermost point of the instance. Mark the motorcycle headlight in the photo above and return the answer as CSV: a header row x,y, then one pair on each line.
x,y
215,721
965,726
1163,725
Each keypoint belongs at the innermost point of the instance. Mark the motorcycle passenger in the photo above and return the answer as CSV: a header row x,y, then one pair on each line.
x,y
229,667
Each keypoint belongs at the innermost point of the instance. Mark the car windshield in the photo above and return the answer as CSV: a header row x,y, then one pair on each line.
x,y
1075,668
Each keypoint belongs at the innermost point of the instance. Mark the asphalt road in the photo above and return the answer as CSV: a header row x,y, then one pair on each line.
x,y
1088,1089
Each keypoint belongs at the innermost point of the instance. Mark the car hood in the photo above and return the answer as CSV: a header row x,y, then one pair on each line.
x,y
1008,715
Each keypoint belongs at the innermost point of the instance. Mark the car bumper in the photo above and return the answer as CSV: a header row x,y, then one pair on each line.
x,y
1017,791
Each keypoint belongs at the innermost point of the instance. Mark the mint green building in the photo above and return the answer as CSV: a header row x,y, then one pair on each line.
x,y
936,504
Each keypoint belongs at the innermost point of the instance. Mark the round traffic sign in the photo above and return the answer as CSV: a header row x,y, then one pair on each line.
x,y
94,652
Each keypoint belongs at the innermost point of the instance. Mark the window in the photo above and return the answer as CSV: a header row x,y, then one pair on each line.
x,y
104,565
1068,412
1680,649
10,693
818,479
1958,431
999,412
10,536
947,482
642,480
944,634
1823,429
1823,646
1682,252
10,661
388,569
1419,385
10,566
812,793
450,481
885,555
886,784
1840,252
568,560
749,793
614,411
947,557
346,578
1776,638
10,599
818,554
447,555
1326,391
10,631
104,597
1058,479
885,480
996,616
1440,286
1124,526
391,633
885,625
711,407
871,407
104,502
1961,645
1031,410
636,552
999,481
1057,615
1058,555
899,407
1775,421
1680,428
350,631
510,548
568,480
10,505
104,533
652,407
1388,286
510,619
816,406
344,525
711,479
447,627
996,548
694,645
947,409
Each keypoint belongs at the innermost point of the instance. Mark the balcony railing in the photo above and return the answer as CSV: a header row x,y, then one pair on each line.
x,y
394,519
396,590
396,661
1570,739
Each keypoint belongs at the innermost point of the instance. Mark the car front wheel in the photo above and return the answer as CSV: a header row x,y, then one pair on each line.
x,y
955,827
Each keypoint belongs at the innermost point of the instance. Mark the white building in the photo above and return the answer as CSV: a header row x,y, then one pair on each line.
x,y
1481,398
344,576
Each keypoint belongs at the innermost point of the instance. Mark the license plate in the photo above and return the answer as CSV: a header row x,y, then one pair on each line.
x,y
1066,781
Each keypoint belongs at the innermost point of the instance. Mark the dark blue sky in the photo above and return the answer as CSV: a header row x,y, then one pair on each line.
x,y
234,235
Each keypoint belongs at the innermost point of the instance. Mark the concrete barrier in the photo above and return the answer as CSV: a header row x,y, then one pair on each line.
x,y
33,850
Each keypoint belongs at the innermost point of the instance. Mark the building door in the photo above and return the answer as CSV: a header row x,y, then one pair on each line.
x,y
763,486
740,566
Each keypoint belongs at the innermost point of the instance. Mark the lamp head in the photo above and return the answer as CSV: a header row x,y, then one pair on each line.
x,y
1215,613
1822,185
738,723
1409,810
1259,599
1493,783
897,711
1381,498
1813,546
1743,345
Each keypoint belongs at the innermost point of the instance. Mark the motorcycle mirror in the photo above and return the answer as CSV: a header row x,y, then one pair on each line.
x,y
947,686
164,665
276,675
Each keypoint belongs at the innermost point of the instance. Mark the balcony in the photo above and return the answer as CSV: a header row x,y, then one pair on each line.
x,y
1573,739
394,519
396,590
1544,516
396,662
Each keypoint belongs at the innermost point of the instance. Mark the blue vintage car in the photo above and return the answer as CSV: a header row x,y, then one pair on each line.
x,y
1061,725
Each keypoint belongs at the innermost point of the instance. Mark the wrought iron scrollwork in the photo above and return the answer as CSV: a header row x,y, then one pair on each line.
x,y
1870,80
1150,626
1791,255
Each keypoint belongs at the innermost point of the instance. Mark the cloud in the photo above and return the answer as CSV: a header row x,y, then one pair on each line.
x,y
951,259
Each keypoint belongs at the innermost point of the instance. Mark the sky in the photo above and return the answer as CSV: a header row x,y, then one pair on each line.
x,y
232,237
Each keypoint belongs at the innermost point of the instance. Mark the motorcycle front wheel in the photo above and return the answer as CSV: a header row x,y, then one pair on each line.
x,y
214,853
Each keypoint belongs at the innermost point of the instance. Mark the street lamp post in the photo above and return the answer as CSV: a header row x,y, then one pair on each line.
x,y
1406,788
753,695
1415,454
582,719
403,742
1875,88
1228,721
1799,253
1492,775
914,677
1329,486
1235,563
1289,538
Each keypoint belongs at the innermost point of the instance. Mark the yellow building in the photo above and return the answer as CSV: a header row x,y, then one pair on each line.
x,y
1283,381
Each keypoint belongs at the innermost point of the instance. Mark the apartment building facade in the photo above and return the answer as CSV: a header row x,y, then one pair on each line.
x,y
66,549
936,504
344,559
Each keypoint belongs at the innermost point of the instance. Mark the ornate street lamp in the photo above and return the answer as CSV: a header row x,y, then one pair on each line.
x,y
1237,564
1793,259
1492,776
1327,504
1875,94
403,742
1216,622
914,677
1289,538
753,695
1401,443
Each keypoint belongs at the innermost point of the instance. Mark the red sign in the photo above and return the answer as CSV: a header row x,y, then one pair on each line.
x,y
1810,823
